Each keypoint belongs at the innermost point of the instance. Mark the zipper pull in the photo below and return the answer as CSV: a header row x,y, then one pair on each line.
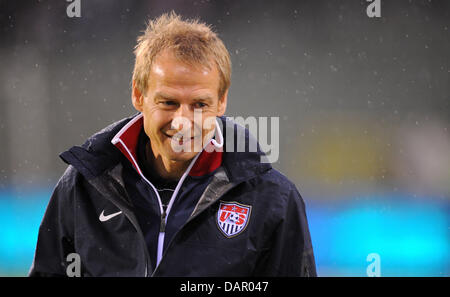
x,y
162,227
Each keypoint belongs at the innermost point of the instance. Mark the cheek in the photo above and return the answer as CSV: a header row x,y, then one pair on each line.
x,y
156,117
153,125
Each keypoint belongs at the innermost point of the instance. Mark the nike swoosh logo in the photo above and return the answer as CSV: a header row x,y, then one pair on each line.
x,y
104,218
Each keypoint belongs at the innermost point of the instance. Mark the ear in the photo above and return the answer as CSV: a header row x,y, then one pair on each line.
x,y
137,98
222,107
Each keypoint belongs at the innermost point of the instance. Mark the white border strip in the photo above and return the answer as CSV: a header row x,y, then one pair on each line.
x,y
220,136
116,137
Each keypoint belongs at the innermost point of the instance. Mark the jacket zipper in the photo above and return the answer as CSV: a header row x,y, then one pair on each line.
x,y
166,210
161,235
162,228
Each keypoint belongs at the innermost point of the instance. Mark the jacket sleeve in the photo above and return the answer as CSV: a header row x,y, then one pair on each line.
x,y
55,238
290,252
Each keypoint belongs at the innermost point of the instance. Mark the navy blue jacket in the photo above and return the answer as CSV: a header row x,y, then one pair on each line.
x,y
232,215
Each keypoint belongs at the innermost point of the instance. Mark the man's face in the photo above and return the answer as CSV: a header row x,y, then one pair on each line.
x,y
175,91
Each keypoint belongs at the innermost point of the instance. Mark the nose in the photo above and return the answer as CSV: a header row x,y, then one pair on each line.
x,y
184,112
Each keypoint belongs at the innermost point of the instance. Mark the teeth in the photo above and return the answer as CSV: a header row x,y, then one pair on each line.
x,y
179,137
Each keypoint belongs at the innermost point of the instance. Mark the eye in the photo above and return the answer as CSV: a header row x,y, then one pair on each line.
x,y
168,103
200,104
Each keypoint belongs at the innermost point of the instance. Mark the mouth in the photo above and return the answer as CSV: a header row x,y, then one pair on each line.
x,y
180,140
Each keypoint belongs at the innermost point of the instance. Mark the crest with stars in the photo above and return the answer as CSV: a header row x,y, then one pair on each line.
x,y
232,218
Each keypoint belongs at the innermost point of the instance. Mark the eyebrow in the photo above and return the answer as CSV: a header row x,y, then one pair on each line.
x,y
168,97
165,96
203,98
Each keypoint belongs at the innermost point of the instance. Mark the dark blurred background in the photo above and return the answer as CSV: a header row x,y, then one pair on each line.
x,y
364,108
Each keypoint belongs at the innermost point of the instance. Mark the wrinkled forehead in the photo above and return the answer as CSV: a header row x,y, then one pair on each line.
x,y
169,70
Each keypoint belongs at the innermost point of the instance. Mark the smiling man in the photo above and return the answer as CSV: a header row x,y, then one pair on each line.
x,y
158,193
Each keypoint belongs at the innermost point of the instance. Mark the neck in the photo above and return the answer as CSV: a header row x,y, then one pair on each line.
x,y
167,169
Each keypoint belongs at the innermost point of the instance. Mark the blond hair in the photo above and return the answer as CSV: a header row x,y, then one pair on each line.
x,y
190,40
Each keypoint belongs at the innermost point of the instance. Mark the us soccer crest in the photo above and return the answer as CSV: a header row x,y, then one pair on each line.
x,y
232,218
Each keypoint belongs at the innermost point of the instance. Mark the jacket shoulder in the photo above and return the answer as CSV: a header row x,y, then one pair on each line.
x,y
68,185
287,194
69,178
276,179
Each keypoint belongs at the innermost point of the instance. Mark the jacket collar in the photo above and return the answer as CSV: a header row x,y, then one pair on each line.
x,y
106,148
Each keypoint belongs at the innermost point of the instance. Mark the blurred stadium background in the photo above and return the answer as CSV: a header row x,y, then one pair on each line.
x,y
364,107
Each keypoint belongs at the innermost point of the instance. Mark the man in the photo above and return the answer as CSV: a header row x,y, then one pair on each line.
x,y
158,194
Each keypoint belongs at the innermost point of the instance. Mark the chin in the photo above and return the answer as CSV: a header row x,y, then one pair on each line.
x,y
181,156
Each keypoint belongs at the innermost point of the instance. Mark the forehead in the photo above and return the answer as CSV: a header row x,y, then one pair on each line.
x,y
168,72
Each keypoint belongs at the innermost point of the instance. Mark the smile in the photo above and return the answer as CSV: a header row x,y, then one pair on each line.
x,y
180,139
